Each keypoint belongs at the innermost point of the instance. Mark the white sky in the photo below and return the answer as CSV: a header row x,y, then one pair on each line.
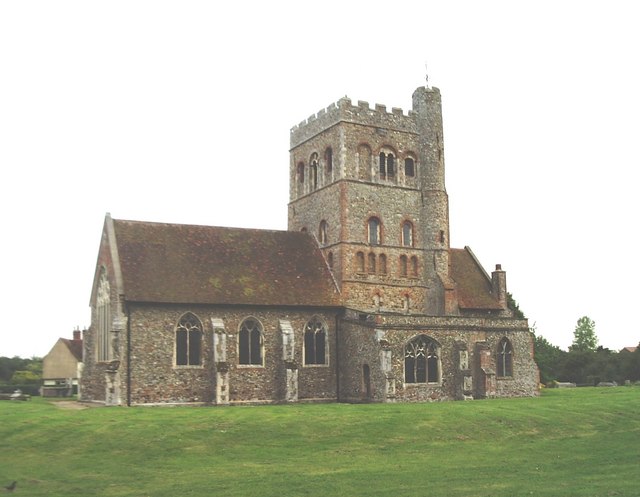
x,y
180,111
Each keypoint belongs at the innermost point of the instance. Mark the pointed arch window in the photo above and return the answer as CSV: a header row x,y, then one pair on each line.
x,y
315,342
374,234
103,318
505,358
422,361
189,341
250,343
407,234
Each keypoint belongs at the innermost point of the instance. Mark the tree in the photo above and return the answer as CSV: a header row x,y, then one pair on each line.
x,y
584,336
549,359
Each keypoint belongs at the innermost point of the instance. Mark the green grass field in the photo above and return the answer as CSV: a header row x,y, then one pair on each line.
x,y
578,442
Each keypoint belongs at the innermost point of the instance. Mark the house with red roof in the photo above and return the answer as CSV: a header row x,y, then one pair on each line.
x,y
361,299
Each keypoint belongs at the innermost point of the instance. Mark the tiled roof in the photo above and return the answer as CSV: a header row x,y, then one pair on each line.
x,y
472,284
176,263
75,347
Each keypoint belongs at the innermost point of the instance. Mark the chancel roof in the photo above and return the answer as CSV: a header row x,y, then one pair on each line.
x,y
473,285
189,264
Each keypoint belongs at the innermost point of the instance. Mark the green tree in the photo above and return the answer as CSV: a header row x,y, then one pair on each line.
x,y
549,359
584,336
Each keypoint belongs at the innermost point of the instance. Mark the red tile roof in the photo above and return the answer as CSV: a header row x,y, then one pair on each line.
x,y
176,263
473,285
75,347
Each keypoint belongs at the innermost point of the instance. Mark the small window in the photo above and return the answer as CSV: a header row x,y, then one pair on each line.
x,y
372,263
382,264
328,158
188,341
330,260
360,262
403,265
409,167
313,171
505,358
421,361
315,342
322,232
250,343
407,234
387,165
414,266
374,231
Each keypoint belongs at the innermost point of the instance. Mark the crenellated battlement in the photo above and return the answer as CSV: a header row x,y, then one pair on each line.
x,y
345,111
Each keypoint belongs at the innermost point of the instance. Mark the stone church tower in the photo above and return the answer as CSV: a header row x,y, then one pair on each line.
x,y
369,184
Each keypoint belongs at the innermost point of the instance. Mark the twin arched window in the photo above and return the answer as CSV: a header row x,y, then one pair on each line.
x,y
504,359
189,341
250,343
315,342
422,360
387,165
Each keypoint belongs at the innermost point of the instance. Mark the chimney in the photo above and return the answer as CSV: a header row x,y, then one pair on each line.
x,y
499,285
76,334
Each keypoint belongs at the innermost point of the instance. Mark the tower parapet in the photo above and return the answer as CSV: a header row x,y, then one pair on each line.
x,y
344,111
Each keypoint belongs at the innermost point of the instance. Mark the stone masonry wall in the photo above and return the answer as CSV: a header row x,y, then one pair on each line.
x,y
155,378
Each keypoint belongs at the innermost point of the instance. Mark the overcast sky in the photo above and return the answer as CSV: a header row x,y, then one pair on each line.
x,y
180,111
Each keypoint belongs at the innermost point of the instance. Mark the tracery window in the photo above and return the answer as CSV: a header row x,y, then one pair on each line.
x,y
315,342
103,318
504,359
250,343
189,341
421,361
407,234
373,226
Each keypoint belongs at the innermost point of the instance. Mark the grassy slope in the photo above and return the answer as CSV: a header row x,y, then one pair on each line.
x,y
581,442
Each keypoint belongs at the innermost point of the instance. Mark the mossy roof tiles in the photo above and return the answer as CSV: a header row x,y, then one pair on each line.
x,y
189,264
472,284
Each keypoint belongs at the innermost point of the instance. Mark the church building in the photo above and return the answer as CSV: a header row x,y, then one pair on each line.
x,y
362,299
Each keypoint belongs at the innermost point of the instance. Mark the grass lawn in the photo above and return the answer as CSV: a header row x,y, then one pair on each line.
x,y
571,442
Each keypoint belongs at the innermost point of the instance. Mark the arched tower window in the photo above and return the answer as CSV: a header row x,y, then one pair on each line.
x,y
407,234
374,234
372,263
315,342
250,343
360,262
322,232
504,359
409,167
403,265
382,264
103,318
189,341
422,360
387,165
328,159
414,266
313,171
300,177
